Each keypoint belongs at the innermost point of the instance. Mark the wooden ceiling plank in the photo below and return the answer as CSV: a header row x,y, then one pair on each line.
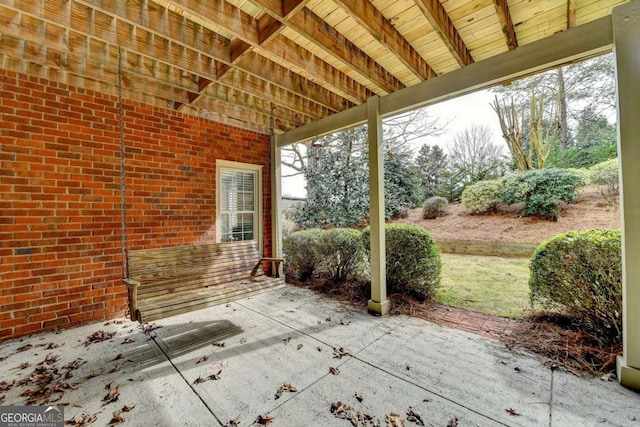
x,y
504,16
247,83
442,24
312,27
283,77
325,74
367,16
254,103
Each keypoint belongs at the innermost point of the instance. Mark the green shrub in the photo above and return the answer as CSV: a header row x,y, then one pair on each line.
x,y
540,190
583,174
342,253
434,207
606,173
413,259
483,196
302,252
580,272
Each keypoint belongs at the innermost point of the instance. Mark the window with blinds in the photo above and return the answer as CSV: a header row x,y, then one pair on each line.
x,y
237,205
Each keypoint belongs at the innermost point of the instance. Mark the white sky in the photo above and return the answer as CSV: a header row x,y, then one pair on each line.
x,y
462,112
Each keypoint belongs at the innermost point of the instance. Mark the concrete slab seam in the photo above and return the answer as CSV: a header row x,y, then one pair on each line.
x,y
354,357
153,338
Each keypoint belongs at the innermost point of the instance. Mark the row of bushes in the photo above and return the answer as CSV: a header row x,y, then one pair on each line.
x,y
412,257
539,190
578,273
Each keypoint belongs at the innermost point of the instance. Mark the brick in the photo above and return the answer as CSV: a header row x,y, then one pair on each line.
x,y
61,201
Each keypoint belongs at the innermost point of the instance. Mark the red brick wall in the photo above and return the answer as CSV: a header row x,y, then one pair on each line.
x,y
60,231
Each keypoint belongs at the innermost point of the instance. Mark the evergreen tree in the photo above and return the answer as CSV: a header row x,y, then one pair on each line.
x,y
431,163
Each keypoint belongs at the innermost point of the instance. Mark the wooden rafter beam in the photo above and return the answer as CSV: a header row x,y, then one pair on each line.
x,y
264,36
442,24
313,28
283,77
332,42
571,13
504,16
386,34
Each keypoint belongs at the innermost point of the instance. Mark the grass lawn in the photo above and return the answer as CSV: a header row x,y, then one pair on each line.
x,y
486,284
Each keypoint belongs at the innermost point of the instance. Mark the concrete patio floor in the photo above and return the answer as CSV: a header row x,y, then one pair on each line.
x,y
256,345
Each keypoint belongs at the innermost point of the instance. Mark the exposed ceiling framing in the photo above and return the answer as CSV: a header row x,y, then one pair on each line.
x,y
254,63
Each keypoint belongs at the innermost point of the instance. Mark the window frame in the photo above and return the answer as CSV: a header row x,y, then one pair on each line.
x,y
258,216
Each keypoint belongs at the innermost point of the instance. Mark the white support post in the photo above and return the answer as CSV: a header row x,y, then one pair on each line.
x,y
378,304
626,39
276,204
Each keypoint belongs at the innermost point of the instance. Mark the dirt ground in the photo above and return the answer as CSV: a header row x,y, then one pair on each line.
x,y
591,211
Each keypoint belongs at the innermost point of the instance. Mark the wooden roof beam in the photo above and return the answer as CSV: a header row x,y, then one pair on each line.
x,y
261,35
257,65
368,17
442,24
571,13
502,9
312,27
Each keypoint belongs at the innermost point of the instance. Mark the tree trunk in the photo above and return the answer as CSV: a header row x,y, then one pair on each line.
x,y
562,111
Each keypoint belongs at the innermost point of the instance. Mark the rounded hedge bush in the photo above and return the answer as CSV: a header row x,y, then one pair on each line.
x,y
342,253
580,272
483,196
540,190
606,173
413,259
434,207
302,251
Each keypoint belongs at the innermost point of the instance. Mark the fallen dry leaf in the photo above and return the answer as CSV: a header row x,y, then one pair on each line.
x,y
453,422
339,353
218,344
94,374
6,386
24,348
115,368
77,405
24,365
127,408
118,417
395,420
84,420
359,396
215,376
344,411
512,412
608,377
112,396
128,340
98,336
2,398
234,422
243,340
199,380
202,359
299,346
334,371
264,420
286,340
118,357
414,417
286,387
149,328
